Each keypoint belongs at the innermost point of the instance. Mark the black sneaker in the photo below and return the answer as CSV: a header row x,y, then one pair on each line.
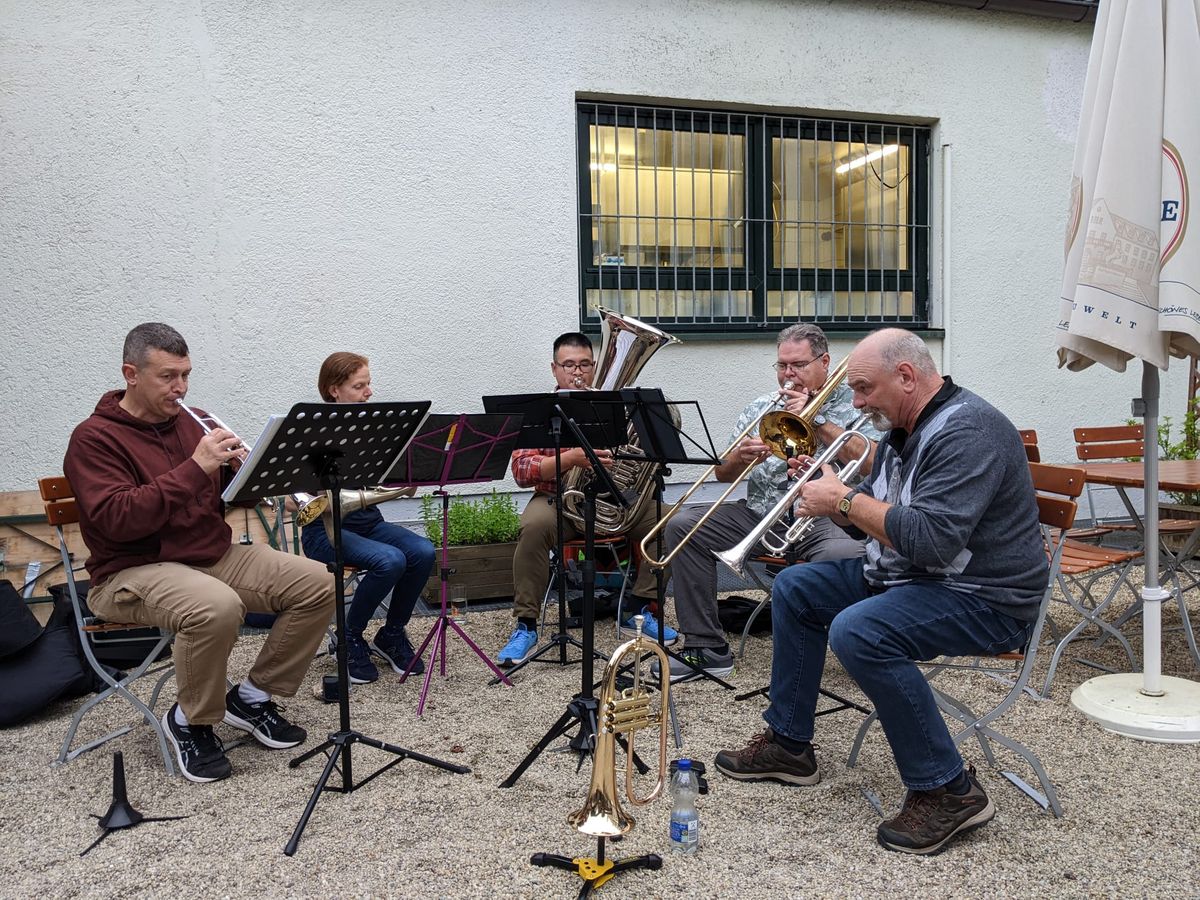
x,y
765,760
358,661
393,645
929,819
198,750
706,658
263,721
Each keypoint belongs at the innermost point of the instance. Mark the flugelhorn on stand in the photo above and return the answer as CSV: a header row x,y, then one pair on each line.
x,y
624,712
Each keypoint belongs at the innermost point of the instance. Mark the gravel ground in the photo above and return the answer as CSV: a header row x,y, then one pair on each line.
x,y
1130,826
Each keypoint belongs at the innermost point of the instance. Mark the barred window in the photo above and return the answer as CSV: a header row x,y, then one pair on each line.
x,y
719,222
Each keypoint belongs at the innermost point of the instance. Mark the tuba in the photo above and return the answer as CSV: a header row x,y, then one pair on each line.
x,y
626,346
624,712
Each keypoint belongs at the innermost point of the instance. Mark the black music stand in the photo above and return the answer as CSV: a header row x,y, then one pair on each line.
x,y
591,417
328,446
662,440
454,449
542,426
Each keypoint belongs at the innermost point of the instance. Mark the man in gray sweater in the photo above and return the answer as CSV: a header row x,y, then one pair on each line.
x,y
954,565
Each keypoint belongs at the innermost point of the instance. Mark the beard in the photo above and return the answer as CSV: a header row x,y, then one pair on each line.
x,y
878,420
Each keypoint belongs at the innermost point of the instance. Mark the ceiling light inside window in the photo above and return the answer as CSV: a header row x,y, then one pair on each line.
x,y
866,158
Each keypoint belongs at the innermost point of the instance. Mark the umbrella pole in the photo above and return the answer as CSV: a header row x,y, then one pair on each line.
x,y
1153,594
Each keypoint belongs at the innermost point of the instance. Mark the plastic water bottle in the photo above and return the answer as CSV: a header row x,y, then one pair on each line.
x,y
685,820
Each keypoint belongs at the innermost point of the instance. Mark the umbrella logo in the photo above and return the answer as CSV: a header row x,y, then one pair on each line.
x,y
1175,201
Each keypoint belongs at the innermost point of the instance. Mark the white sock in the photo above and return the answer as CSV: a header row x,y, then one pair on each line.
x,y
180,718
249,692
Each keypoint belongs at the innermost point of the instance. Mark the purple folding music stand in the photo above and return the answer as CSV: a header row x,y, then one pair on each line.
x,y
454,449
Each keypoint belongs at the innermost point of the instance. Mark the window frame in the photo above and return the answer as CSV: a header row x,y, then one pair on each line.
x,y
757,276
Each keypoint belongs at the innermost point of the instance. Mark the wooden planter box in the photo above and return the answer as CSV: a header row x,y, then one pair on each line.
x,y
485,569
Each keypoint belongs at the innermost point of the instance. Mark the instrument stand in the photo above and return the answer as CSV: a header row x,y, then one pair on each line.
x,y
598,871
454,449
366,440
583,707
121,813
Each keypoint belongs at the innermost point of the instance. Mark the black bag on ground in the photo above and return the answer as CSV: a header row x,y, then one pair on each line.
x,y
117,650
734,612
40,671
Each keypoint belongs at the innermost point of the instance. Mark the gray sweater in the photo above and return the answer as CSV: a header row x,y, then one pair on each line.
x,y
963,506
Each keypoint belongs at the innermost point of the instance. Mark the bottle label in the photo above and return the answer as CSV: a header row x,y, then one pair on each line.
x,y
685,832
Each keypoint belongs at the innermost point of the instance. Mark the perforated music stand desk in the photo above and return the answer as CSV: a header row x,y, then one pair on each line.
x,y
454,449
325,446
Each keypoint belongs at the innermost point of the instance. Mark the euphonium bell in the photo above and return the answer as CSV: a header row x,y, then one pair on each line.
x,y
624,712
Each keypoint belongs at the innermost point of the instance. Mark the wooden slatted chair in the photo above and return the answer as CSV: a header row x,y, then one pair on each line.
x,y
1029,438
1121,443
61,510
1059,488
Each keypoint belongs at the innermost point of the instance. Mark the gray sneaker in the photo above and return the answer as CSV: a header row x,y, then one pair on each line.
x,y
692,659
929,819
764,760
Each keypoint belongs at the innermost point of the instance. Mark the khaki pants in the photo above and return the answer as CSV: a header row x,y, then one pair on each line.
x,y
531,560
205,605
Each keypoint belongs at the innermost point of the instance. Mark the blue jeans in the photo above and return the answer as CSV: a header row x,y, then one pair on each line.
x,y
394,559
877,638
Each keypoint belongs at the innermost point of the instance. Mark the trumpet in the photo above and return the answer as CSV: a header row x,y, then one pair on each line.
x,y
735,557
306,504
624,713
787,434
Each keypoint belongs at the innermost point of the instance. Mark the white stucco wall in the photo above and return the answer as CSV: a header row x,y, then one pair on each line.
x,y
283,179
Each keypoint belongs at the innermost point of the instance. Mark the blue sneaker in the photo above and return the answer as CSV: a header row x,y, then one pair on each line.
x,y
650,628
519,646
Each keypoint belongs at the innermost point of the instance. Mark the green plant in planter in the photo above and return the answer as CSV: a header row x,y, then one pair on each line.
x,y
492,519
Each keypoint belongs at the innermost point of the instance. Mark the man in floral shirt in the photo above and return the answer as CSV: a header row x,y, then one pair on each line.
x,y
802,359
573,368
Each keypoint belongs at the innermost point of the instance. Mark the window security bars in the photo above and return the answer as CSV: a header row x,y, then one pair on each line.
x,y
719,222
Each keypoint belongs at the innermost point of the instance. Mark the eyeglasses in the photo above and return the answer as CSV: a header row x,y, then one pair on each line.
x,y
584,366
794,366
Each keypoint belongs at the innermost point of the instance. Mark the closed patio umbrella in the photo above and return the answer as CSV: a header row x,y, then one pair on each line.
x,y
1131,286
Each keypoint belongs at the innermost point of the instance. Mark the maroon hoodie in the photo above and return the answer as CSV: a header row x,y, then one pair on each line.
x,y
142,498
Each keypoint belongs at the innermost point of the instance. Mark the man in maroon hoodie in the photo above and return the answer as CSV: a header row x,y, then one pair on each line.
x,y
148,483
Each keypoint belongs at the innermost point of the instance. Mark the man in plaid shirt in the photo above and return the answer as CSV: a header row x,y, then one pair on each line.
x,y
573,368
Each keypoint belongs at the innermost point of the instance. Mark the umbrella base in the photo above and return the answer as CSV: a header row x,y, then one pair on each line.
x,y
1117,704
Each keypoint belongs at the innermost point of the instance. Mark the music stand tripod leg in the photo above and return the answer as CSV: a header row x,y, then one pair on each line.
x,y
339,744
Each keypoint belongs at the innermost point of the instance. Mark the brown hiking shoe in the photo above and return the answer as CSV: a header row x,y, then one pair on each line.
x,y
929,819
764,760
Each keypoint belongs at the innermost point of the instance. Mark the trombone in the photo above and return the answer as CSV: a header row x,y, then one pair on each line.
x,y
308,506
735,557
788,434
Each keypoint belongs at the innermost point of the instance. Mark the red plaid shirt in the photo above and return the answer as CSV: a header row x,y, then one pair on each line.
x,y
527,469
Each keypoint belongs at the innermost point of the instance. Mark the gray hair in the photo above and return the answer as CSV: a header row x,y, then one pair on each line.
x,y
805,331
904,346
152,336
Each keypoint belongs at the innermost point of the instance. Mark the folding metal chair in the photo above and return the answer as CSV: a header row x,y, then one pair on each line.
x,y
1058,490
771,566
61,510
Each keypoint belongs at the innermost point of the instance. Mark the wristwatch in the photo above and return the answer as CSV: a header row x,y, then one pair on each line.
x,y
819,420
844,504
